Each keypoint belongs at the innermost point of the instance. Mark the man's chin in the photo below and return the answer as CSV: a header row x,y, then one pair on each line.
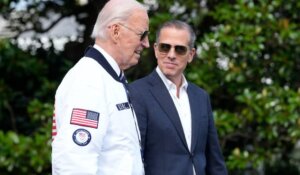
x,y
135,61
137,55
137,58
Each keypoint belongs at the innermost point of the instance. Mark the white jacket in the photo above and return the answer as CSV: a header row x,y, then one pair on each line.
x,y
107,142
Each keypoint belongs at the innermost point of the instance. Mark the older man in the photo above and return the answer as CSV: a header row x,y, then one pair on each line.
x,y
95,131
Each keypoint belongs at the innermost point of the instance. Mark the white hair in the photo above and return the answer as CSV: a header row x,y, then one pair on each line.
x,y
114,11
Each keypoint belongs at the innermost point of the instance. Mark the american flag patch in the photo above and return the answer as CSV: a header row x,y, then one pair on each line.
x,y
54,131
84,117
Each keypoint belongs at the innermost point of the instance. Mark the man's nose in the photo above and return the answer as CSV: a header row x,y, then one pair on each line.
x,y
145,42
171,53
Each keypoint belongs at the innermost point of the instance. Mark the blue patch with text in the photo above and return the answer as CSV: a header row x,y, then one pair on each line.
x,y
123,106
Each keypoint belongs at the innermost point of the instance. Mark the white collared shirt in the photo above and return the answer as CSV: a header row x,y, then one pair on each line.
x,y
109,59
182,104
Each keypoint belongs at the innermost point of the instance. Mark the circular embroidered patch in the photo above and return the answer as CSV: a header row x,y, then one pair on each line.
x,y
82,137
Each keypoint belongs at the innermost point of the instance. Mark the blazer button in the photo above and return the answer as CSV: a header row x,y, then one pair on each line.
x,y
191,155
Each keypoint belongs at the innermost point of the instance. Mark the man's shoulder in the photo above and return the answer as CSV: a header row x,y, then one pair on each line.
x,y
143,80
139,82
196,88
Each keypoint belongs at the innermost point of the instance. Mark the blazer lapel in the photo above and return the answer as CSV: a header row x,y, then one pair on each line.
x,y
194,105
161,94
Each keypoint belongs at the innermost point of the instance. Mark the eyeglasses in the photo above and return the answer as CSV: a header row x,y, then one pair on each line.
x,y
143,34
165,48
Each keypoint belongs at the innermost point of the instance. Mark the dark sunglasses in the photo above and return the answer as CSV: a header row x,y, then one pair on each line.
x,y
165,48
143,34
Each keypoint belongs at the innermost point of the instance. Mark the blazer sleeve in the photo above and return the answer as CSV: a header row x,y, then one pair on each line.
x,y
215,161
140,109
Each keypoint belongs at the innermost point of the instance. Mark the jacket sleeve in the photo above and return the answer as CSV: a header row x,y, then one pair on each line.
x,y
76,148
140,110
215,160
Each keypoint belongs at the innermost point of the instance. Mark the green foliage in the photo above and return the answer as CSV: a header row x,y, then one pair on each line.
x,y
248,59
249,62
28,154
262,131
26,106
23,154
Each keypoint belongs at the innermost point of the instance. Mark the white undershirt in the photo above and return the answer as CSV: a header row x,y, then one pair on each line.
x,y
182,104
109,59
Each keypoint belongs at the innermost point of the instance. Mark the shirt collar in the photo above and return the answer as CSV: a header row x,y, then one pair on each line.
x,y
109,59
169,84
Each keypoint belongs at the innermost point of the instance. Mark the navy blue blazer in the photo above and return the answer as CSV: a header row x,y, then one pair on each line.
x,y
164,145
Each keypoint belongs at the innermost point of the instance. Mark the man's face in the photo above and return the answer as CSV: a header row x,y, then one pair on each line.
x,y
173,53
133,39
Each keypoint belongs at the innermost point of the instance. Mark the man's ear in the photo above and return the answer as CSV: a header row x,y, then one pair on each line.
x,y
155,50
114,32
191,55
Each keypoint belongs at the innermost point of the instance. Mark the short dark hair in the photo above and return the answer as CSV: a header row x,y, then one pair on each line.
x,y
178,25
